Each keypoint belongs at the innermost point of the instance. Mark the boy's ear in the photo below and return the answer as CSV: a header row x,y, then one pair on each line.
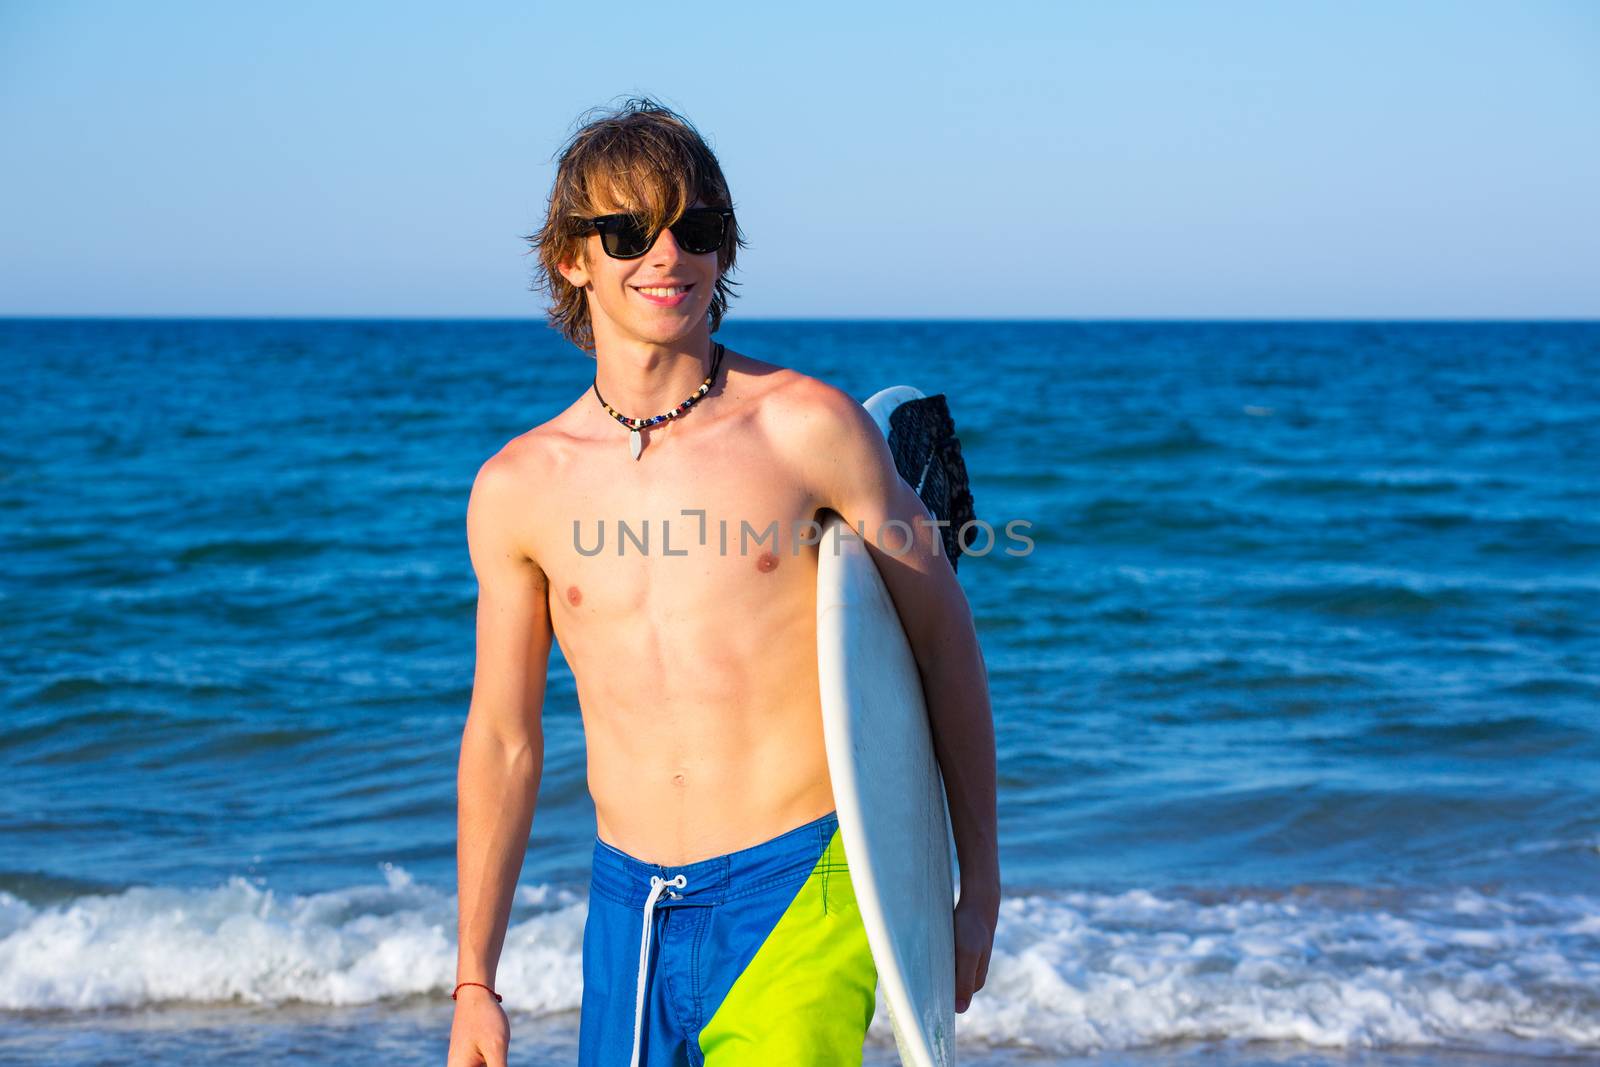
x,y
576,274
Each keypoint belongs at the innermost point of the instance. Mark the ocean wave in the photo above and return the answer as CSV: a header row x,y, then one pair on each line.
x,y
1182,439
1334,967
1382,482
241,942
1455,969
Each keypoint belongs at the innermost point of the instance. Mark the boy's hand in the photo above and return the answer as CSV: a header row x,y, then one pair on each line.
x,y
480,1033
975,918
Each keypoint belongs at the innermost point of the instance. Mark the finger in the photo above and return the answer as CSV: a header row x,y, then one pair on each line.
x,y
984,957
966,972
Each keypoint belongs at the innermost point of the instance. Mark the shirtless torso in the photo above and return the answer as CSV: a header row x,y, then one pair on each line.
x,y
695,653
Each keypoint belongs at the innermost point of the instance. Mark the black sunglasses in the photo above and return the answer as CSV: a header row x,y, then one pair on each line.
x,y
699,231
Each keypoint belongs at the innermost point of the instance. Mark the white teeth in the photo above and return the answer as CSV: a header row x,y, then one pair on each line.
x,y
665,292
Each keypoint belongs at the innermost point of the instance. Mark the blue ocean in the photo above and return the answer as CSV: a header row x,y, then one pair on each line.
x,y
1297,695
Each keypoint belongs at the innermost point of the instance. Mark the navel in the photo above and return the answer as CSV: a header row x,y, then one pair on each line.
x,y
574,595
767,561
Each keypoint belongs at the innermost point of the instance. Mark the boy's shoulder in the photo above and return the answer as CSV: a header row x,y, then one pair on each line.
x,y
794,400
817,428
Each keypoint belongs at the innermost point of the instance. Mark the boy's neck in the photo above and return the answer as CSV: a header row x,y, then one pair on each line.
x,y
641,379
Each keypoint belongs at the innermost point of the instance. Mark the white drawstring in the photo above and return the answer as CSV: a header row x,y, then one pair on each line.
x,y
656,886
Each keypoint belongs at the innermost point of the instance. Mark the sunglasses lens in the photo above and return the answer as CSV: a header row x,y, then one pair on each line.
x,y
700,231
625,237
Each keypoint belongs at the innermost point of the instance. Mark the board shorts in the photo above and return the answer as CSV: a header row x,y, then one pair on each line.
x,y
756,957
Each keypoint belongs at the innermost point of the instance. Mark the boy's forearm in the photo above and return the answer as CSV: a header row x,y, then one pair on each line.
x,y
496,788
956,684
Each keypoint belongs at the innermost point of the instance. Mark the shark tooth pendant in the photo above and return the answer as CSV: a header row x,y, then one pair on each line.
x,y
635,443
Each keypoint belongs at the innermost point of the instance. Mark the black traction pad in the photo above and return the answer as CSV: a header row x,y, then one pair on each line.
x,y
927,452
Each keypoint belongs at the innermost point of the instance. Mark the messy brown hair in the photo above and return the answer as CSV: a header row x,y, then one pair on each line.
x,y
641,156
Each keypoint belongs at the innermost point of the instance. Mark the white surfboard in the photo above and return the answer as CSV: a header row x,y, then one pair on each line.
x,y
887,790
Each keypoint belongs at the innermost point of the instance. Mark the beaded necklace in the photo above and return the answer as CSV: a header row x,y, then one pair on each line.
x,y
635,442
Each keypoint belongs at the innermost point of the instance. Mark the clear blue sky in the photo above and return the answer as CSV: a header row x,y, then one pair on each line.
x,y
991,159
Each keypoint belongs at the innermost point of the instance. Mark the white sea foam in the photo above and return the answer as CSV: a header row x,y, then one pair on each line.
x,y
1071,972
243,943
1464,970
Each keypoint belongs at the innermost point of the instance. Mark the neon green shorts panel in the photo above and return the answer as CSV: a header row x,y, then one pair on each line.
x,y
806,997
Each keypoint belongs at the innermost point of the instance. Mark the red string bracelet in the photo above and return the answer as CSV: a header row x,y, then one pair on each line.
x,y
492,993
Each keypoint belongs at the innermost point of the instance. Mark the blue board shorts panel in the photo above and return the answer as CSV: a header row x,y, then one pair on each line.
x,y
780,914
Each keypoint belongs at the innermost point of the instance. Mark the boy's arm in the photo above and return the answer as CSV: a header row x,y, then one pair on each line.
x,y
502,745
853,473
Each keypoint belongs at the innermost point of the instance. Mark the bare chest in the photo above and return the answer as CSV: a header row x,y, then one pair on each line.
x,y
675,534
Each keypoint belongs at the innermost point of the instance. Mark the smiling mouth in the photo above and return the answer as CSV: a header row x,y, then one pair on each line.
x,y
664,291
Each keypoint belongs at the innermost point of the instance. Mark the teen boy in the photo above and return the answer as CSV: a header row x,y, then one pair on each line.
x,y
722,928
